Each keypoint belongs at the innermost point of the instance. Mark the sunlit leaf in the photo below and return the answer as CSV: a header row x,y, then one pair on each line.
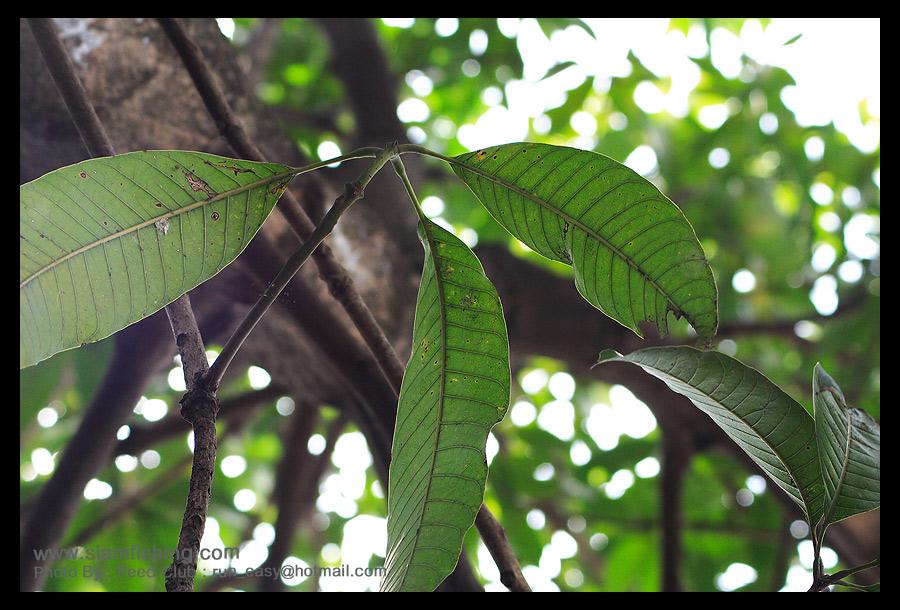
x,y
455,389
108,241
635,255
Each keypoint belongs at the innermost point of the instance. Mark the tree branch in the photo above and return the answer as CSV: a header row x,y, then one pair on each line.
x,y
495,539
199,407
330,269
188,339
352,192
70,88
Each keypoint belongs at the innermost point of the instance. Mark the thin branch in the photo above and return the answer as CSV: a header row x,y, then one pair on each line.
x,y
188,340
838,578
199,407
352,192
334,274
70,88
496,541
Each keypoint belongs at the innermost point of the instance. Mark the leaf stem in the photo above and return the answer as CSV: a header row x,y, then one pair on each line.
x,y
401,172
421,150
359,153
352,191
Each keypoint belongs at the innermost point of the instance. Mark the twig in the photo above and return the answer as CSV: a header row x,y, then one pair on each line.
x,y
494,537
334,274
70,88
199,407
826,580
352,192
188,339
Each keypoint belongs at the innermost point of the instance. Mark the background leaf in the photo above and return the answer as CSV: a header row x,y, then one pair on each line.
x,y
109,241
635,255
770,426
849,452
455,388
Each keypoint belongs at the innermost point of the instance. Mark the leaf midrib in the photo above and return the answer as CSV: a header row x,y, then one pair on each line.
x,y
840,411
432,254
795,483
170,214
572,221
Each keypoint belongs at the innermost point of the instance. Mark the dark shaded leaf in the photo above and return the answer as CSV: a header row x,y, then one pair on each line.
x,y
770,426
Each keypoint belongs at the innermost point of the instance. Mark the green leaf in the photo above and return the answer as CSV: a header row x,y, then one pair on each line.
x,y
455,389
109,241
635,255
849,452
770,426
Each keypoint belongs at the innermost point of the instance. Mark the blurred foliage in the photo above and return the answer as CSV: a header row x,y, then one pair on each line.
x,y
752,211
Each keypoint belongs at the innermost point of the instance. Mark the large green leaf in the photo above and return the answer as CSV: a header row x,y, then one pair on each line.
x,y
635,255
455,388
849,452
108,241
770,426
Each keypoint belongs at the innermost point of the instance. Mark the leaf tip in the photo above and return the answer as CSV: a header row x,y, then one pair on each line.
x,y
607,354
822,379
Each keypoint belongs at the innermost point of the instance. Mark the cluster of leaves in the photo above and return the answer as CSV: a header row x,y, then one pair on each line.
x,y
115,239
773,201
761,193
766,204
634,255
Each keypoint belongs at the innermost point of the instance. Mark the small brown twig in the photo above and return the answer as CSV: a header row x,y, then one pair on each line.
x,y
494,537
